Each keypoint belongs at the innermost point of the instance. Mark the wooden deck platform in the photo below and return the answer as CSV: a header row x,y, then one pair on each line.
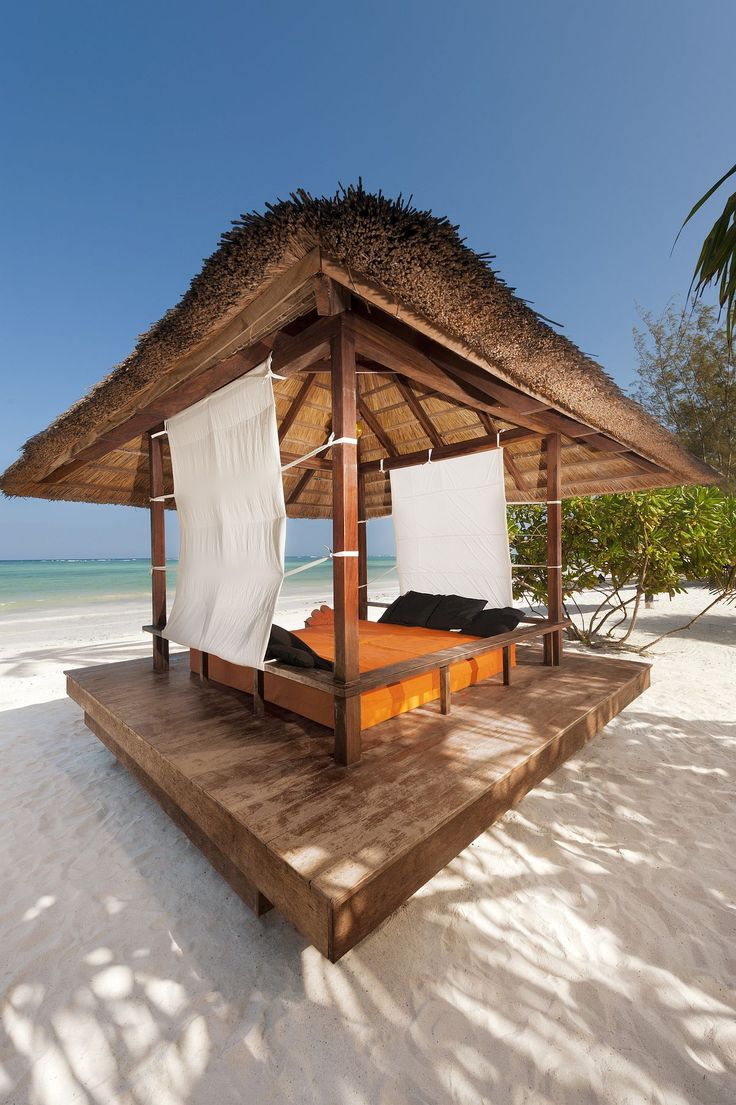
x,y
337,849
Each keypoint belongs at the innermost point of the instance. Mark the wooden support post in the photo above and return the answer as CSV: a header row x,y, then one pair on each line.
x,y
553,641
362,551
445,691
345,540
158,551
506,651
259,707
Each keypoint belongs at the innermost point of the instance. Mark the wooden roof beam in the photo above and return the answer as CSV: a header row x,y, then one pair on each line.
x,y
642,462
299,487
295,406
513,471
519,409
130,452
376,344
588,437
419,412
294,354
448,362
486,421
178,399
534,476
118,469
488,424
511,404
330,297
460,449
375,427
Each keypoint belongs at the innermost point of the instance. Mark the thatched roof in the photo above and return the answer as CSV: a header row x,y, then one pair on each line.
x,y
417,262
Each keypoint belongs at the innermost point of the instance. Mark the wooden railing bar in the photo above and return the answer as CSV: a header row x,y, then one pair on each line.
x,y
153,630
419,665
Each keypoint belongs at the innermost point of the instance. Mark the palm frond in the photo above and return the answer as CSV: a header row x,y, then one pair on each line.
x,y
716,263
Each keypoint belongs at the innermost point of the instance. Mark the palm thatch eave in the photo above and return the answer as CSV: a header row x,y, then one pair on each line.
x,y
414,259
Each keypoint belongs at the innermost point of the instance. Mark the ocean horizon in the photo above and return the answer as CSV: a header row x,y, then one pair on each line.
x,y
70,581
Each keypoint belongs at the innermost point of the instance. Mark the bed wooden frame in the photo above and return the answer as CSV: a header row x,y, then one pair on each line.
x,y
319,695
378,703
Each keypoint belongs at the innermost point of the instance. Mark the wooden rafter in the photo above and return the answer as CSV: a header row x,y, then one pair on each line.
x,y
450,405
462,448
513,470
419,412
117,469
444,350
392,343
535,473
444,374
295,406
377,344
299,486
376,428
330,297
293,354
224,372
130,452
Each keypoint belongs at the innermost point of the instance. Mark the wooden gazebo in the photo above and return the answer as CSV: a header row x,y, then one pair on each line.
x,y
375,315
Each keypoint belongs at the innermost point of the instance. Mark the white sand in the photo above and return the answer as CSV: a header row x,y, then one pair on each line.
x,y
582,950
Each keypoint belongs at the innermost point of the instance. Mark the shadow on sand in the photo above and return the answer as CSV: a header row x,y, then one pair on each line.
x,y
575,950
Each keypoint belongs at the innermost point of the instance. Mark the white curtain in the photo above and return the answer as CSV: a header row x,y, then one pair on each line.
x,y
232,520
450,528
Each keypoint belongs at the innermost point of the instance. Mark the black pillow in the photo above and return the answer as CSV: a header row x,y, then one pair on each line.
x,y
281,643
413,608
296,657
508,616
486,624
386,615
453,612
279,636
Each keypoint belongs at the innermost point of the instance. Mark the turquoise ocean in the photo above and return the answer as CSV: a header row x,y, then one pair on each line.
x,y
27,585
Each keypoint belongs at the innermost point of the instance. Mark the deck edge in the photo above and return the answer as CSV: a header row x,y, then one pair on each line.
x,y
305,907
356,915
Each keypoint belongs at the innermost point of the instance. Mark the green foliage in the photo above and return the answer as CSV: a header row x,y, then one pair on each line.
x,y
654,542
717,261
687,380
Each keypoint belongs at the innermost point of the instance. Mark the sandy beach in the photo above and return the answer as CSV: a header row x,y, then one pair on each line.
x,y
580,951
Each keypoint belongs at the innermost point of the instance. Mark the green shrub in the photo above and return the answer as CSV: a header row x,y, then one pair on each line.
x,y
652,541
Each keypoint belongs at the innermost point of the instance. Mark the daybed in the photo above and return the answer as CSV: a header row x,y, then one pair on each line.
x,y
380,645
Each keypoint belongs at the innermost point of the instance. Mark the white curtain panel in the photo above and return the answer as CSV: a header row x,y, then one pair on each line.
x,y
232,520
450,528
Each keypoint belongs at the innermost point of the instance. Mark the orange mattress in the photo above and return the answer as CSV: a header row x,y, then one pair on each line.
x,y
380,645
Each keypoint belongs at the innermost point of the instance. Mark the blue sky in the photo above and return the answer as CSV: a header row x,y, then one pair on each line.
x,y
567,138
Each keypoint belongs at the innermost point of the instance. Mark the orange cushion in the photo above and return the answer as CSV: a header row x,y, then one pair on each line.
x,y
381,644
